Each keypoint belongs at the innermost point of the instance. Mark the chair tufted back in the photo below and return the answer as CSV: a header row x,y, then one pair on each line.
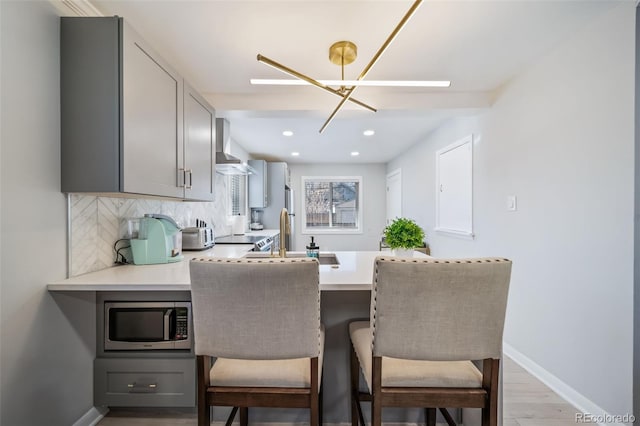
x,y
438,309
256,308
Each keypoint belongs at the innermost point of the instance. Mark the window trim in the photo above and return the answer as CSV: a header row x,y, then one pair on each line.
x,y
331,231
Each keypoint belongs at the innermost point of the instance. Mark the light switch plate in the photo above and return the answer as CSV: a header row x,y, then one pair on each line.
x,y
512,205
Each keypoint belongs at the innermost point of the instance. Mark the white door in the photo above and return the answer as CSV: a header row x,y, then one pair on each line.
x,y
394,195
454,200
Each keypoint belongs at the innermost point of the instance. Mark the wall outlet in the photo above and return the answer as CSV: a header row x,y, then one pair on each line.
x,y
512,205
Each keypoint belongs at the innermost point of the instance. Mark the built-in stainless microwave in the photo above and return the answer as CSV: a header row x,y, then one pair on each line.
x,y
147,325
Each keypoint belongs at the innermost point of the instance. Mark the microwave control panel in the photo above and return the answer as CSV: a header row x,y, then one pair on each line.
x,y
182,323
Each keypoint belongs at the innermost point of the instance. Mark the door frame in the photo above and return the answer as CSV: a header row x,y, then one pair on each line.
x,y
393,174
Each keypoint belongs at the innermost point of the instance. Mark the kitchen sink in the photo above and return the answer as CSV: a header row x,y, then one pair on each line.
x,y
325,258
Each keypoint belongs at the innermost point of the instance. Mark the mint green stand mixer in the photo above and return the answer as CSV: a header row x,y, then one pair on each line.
x,y
159,241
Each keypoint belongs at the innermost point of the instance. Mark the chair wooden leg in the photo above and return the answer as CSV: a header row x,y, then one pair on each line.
x,y
204,413
430,416
232,416
490,371
355,382
447,417
320,404
244,416
314,415
360,413
376,400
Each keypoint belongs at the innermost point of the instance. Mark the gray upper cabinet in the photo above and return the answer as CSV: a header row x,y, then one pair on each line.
x,y
153,135
258,185
199,146
129,123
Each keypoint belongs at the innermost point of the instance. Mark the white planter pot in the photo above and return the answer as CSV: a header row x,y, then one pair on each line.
x,y
402,252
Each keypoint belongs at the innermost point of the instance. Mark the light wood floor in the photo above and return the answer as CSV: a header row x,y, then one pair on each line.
x,y
527,402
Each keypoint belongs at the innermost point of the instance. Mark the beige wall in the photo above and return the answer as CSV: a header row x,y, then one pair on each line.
x,y
47,341
560,138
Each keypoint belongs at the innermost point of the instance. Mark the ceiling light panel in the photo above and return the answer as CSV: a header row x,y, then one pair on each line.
x,y
375,83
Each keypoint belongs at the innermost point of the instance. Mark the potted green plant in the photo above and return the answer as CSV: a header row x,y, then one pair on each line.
x,y
403,235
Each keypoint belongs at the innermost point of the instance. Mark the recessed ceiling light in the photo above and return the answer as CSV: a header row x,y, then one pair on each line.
x,y
369,132
355,153
287,133
295,154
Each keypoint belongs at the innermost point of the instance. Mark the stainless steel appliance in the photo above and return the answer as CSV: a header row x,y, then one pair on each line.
x,y
290,205
147,325
227,164
197,238
256,220
260,242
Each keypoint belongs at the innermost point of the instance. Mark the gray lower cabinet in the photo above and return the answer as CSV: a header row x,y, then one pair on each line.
x,y
145,382
129,123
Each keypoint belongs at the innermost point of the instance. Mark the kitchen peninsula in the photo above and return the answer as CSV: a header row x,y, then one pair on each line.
x,y
354,272
345,296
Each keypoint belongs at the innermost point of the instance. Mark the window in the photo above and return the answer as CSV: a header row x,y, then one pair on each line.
x,y
332,205
237,185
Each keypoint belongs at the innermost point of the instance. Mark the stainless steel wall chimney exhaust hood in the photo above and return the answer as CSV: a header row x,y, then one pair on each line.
x,y
227,164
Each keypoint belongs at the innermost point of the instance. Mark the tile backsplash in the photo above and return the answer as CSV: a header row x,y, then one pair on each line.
x,y
98,222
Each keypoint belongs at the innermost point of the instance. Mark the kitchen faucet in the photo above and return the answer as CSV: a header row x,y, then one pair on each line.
x,y
285,227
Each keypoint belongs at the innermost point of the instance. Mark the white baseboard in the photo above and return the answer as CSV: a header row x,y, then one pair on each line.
x,y
572,396
92,417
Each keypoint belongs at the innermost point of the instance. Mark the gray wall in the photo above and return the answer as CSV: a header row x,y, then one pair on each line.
x,y
373,202
560,138
47,344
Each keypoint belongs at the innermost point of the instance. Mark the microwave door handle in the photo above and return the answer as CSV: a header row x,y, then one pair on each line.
x,y
167,323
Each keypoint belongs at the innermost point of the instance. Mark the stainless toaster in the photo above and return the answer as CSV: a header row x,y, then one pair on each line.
x,y
197,238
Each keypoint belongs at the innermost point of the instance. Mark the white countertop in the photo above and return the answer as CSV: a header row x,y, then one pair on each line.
x,y
165,276
355,272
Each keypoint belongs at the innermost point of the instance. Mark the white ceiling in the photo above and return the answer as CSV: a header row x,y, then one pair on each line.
x,y
478,45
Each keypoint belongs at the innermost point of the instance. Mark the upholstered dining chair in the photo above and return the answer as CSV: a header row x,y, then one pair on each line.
x,y
430,318
260,319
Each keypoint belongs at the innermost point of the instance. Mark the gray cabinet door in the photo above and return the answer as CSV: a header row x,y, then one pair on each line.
x,y
152,144
258,186
199,146
145,382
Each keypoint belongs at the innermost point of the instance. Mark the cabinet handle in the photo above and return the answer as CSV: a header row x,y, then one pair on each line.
x,y
142,388
190,178
167,320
